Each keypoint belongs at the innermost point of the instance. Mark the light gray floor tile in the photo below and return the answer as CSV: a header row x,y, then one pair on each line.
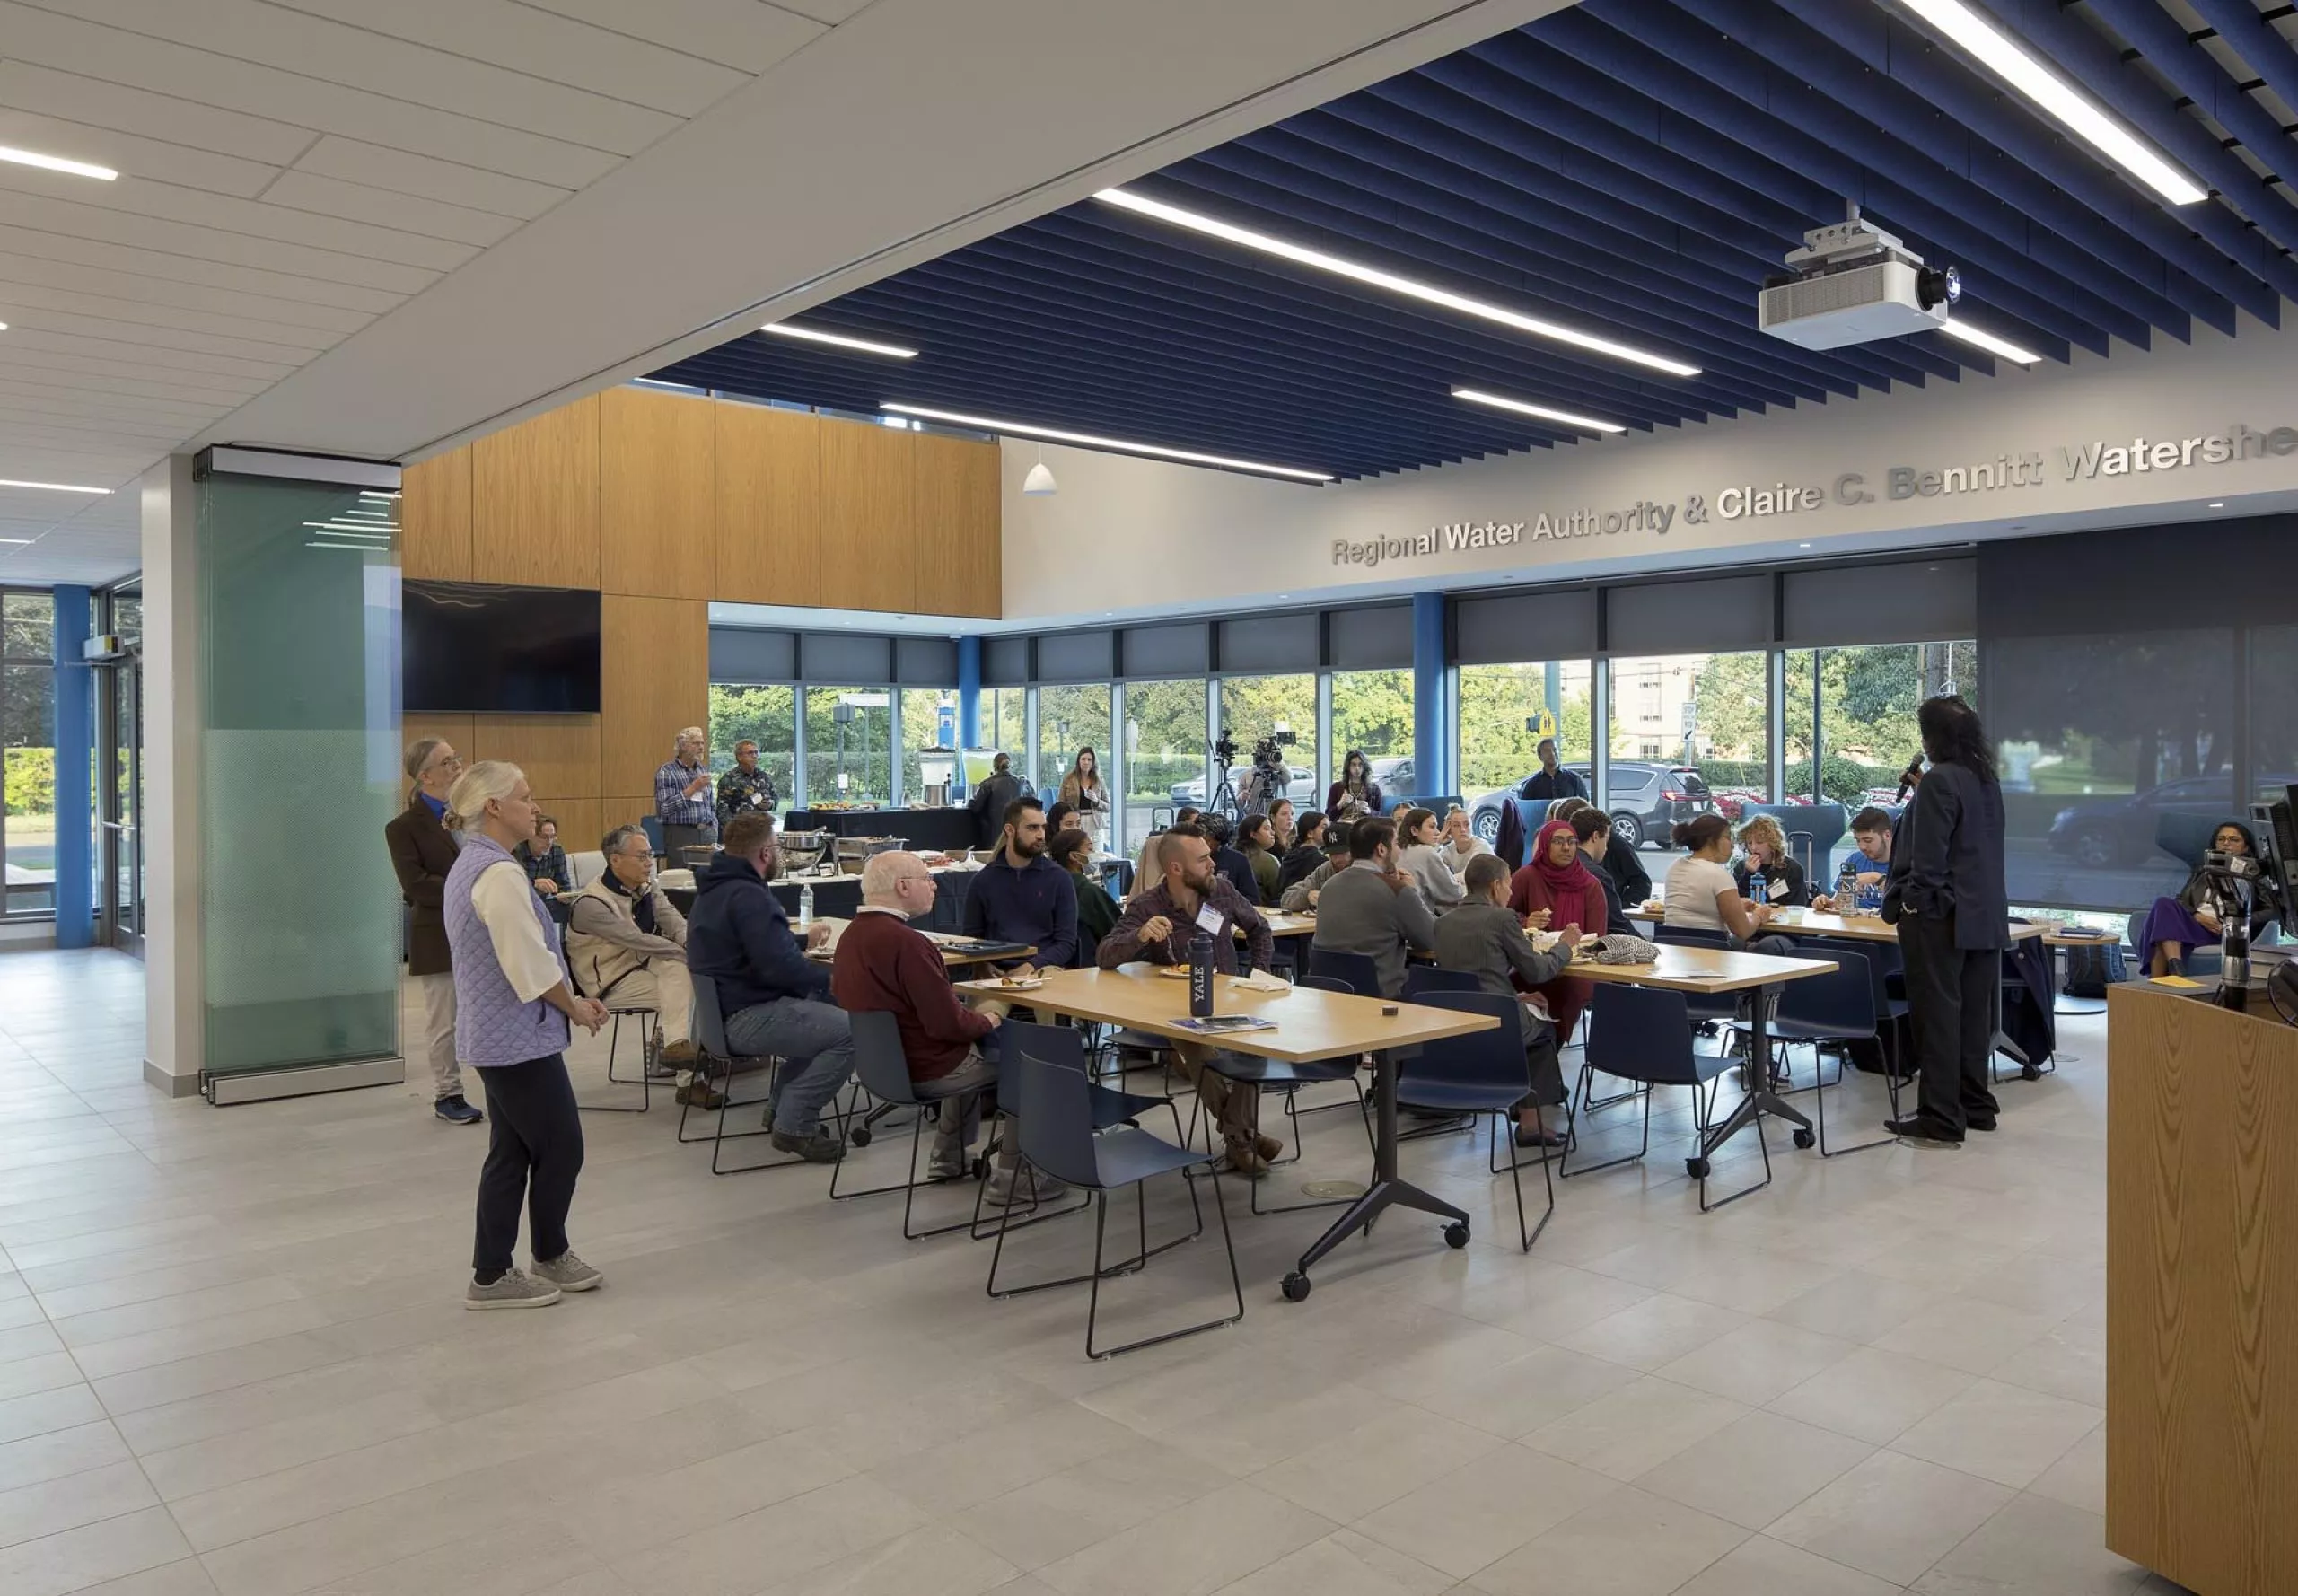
x,y
1891,1516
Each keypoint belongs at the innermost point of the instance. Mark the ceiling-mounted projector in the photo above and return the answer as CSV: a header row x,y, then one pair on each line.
x,y
1853,283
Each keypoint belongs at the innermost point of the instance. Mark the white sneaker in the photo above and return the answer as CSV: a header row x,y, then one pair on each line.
x,y
514,1290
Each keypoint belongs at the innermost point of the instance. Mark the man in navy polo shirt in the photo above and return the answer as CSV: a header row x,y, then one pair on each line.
x,y
1022,896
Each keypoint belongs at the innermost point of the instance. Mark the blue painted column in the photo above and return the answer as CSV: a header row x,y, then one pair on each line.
x,y
76,742
969,692
1432,754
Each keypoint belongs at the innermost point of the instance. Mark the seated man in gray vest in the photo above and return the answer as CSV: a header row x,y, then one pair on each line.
x,y
628,946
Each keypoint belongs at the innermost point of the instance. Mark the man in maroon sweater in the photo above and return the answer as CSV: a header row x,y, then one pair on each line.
x,y
884,963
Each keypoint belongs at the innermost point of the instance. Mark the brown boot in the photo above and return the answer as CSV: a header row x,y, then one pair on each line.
x,y
699,1093
681,1054
1245,1159
1267,1146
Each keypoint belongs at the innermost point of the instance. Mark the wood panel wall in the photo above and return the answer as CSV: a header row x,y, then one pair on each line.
x,y
664,502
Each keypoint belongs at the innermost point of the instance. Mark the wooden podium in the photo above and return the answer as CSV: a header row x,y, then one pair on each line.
x,y
2202,1291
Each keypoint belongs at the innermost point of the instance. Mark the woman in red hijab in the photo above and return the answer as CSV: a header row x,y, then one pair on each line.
x,y
1553,891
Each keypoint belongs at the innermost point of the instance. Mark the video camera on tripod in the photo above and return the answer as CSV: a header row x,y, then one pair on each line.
x,y
1266,783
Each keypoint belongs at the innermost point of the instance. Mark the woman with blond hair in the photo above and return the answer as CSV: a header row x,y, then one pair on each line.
x,y
1765,850
513,1010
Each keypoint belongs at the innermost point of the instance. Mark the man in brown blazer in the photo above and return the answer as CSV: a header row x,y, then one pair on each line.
x,y
423,851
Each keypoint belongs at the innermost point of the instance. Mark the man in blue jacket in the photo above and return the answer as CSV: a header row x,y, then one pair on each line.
x,y
1022,896
775,999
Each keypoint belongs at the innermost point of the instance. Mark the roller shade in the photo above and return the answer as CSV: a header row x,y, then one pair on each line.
x,y
1271,643
1515,627
1379,638
926,661
1077,656
744,654
1707,617
1182,650
1905,601
1005,662
830,657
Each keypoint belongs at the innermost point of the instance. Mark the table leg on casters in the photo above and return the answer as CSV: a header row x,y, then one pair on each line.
x,y
1760,1099
1386,1191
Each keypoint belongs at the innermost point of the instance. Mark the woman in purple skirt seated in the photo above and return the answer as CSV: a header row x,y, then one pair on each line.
x,y
2198,915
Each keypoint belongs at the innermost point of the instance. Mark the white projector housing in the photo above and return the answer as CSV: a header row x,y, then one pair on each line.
x,y
1853,283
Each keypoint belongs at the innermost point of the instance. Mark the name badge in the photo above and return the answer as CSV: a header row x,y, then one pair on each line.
x,y
1208,920
1777,888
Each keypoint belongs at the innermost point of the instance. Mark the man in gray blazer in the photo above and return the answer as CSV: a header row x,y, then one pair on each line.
x,y
1370,908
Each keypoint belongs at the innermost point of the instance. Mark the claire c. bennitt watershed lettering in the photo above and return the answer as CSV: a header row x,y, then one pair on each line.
x,y
2102,459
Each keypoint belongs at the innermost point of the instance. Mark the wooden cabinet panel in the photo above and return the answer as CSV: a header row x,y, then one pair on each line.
x,y
535,500
769,473
559,752
654,679
958,494
657,493
582,821
869,517
434,518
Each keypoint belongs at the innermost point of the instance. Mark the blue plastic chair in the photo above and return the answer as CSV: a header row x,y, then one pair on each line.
x,y
1483,1074
652,826
1058,1137
1356,971
1834,1010
1645,1035
882,1069
1064,1046
1421,979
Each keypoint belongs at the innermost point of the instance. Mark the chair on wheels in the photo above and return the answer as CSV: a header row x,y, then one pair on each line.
x,y
882,1069
1645,1036
1057,1136
719,1060
1833,1010
1483,1074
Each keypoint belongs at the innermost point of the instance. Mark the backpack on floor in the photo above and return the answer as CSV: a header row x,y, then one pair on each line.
x,y
2091,970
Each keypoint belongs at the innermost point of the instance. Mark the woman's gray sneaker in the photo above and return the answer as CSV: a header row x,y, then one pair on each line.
x,y
514,1290
568,1273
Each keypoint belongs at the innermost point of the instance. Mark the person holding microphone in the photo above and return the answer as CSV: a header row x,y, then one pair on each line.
x,y
512,1013
683,801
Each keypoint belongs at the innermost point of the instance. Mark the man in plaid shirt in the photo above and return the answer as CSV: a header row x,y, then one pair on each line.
x,y
682,798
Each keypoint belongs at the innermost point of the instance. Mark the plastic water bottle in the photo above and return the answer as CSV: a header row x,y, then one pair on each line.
x,y
1756,887
1200,977
805,908
1847,888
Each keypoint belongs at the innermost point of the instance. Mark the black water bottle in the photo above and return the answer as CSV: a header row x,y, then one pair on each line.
x,y
1200,977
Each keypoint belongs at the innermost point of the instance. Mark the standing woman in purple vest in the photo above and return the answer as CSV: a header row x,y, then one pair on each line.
x,y
513,1006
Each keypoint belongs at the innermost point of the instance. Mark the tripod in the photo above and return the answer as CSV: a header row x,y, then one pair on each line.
x,y
1223,800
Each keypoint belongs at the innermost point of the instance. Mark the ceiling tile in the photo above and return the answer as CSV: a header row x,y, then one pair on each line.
x,y
97,344
323,52
824,11
71,45
23,297
128,152
206,243
153,289
428,218
30,87
420,175
556,48
27,243
745,34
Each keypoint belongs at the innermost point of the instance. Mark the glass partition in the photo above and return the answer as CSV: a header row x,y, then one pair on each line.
x,y
2274,712
765,715
1856,706
1372,713
1689,735
849,751
1167,750
2116,755
1505,710
299,637
1253,707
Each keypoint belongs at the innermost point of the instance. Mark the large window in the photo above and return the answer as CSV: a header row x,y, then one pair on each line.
x,y
925,713
1858,705
1004,718
849,756
1689,734
2274,713
1372,713
765,715
2117,757
28,753
1253,707
1166,750
1504,712
1070,718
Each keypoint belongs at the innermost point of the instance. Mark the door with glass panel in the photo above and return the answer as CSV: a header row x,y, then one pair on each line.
x,y
120,856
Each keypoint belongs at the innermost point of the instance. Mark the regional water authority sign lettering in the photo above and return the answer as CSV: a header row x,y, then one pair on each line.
x,y
2080,462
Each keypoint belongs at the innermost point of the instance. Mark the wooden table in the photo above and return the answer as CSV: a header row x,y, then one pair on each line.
x,y
1683,967
953,957
1312,1027
1282,925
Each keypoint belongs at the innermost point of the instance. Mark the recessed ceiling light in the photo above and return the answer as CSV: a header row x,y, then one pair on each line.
x,y
1995,51
78,168
1426,293
1981,339
3,326
16,539
1027,429
51,487
1803,546
1476,396
2218,504
786,329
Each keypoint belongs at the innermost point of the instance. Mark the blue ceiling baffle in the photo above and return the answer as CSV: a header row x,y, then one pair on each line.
x,y
1579,205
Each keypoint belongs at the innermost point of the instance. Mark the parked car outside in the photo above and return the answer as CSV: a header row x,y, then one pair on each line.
x,y
1646,801
2176,817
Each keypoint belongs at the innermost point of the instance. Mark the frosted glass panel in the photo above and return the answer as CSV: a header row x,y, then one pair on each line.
x,y
299,910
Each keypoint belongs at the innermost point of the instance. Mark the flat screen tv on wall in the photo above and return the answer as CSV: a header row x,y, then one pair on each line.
x,y
467,648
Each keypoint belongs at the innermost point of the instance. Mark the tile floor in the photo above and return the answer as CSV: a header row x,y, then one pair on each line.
x,y
233,1360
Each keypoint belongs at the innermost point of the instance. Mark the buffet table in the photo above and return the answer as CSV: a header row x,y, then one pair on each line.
x,y
925,831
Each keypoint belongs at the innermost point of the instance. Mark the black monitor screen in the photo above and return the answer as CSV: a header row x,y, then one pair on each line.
x,y
466,647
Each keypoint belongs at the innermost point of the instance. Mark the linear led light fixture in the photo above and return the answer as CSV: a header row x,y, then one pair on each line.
x,y
1476,396
1372,277
1979,338
1053,435
370,492
1999,54
351,527
51,487
786,329
78,168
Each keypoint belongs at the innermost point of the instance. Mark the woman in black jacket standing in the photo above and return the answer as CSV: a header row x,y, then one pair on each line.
x,y
1945,894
